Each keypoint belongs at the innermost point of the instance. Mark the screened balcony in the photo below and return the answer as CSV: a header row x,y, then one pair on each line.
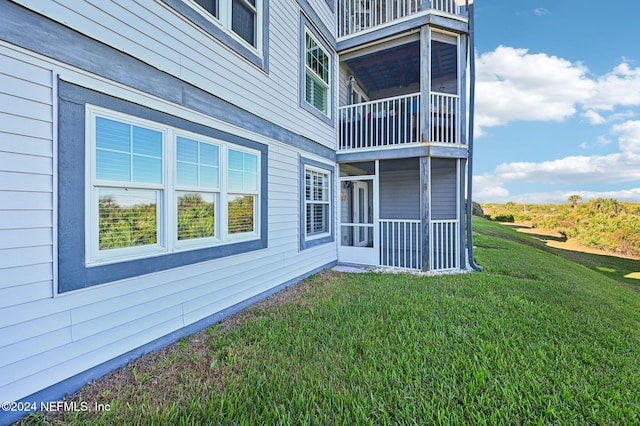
x,y
361,15
394,122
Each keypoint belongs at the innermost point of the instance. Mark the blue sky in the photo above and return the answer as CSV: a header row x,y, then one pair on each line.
x,y
557,100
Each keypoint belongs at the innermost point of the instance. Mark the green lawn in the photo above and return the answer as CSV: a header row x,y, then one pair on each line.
x,y
535,339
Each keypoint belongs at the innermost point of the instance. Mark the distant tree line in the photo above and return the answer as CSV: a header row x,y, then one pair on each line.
x,y
602,223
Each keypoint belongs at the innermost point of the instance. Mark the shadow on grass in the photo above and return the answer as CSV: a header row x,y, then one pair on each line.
x,y
623,270
618,268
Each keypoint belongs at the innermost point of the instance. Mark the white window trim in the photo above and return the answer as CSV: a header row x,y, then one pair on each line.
x,y
224,21
326,84
167,241
315,236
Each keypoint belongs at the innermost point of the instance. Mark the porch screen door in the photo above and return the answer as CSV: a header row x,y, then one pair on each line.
x,y
357,234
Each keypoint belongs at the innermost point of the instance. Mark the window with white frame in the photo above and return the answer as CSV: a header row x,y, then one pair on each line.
x,y
317,74
239,16
157,189
317,201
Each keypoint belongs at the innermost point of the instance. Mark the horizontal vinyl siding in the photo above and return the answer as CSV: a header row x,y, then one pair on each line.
x,y
161,37
443,189
46,339
26,184
400,194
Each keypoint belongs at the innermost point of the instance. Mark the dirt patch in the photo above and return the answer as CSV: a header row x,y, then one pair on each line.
x,y
557,240
167,371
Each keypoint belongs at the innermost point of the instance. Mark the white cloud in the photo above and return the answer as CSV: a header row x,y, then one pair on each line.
x,y
541,11
618,167
629,139
558,197
593,117
620,87
603,140
513,84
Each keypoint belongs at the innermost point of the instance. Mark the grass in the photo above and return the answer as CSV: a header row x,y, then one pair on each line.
x,y
535,339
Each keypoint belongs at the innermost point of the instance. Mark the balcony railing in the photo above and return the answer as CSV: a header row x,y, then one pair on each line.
x,y
445,118
360,15
445,245
396,121
381,123
400,245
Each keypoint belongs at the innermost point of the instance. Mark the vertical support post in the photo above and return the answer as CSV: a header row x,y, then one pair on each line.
x,y
425,82
377,243
462,122
462,200
425,214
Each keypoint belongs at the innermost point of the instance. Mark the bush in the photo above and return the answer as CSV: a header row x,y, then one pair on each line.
x,y
504,218
476,209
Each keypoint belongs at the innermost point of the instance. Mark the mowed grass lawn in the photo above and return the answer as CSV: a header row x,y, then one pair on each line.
x,y
535,339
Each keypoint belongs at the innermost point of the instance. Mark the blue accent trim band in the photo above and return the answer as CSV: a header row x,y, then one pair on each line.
x,y
308,10
304,243
39,34
72,272
71,385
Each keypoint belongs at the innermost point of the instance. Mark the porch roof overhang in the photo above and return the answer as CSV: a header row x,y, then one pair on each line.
x,y
457,25
418,150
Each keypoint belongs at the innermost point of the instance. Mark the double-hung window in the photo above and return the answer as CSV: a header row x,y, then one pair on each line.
x,y
243,192
128,188
317,74
239,16
157,189
316,190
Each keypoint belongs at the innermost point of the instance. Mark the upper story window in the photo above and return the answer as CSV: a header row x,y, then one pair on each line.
x,y
239,16
317,75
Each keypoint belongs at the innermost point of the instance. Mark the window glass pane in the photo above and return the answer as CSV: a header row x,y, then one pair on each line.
x,y
113,135
316,59
197,163
187,150
250,163
196,215
210,6
243,171
317,218
208,154
127,218
187,174
127,153
250,181
316,93
235,160
241,213
147,169
209,177
113,166
147,142
243,21
235,180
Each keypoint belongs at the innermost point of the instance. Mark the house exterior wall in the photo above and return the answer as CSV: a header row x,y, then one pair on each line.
x,y
399,194
444,183
47,336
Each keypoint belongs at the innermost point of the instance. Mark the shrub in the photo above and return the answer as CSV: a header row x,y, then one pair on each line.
x,y
476,209
504,218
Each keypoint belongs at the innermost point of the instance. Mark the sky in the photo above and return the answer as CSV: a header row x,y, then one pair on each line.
x,y
557,108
